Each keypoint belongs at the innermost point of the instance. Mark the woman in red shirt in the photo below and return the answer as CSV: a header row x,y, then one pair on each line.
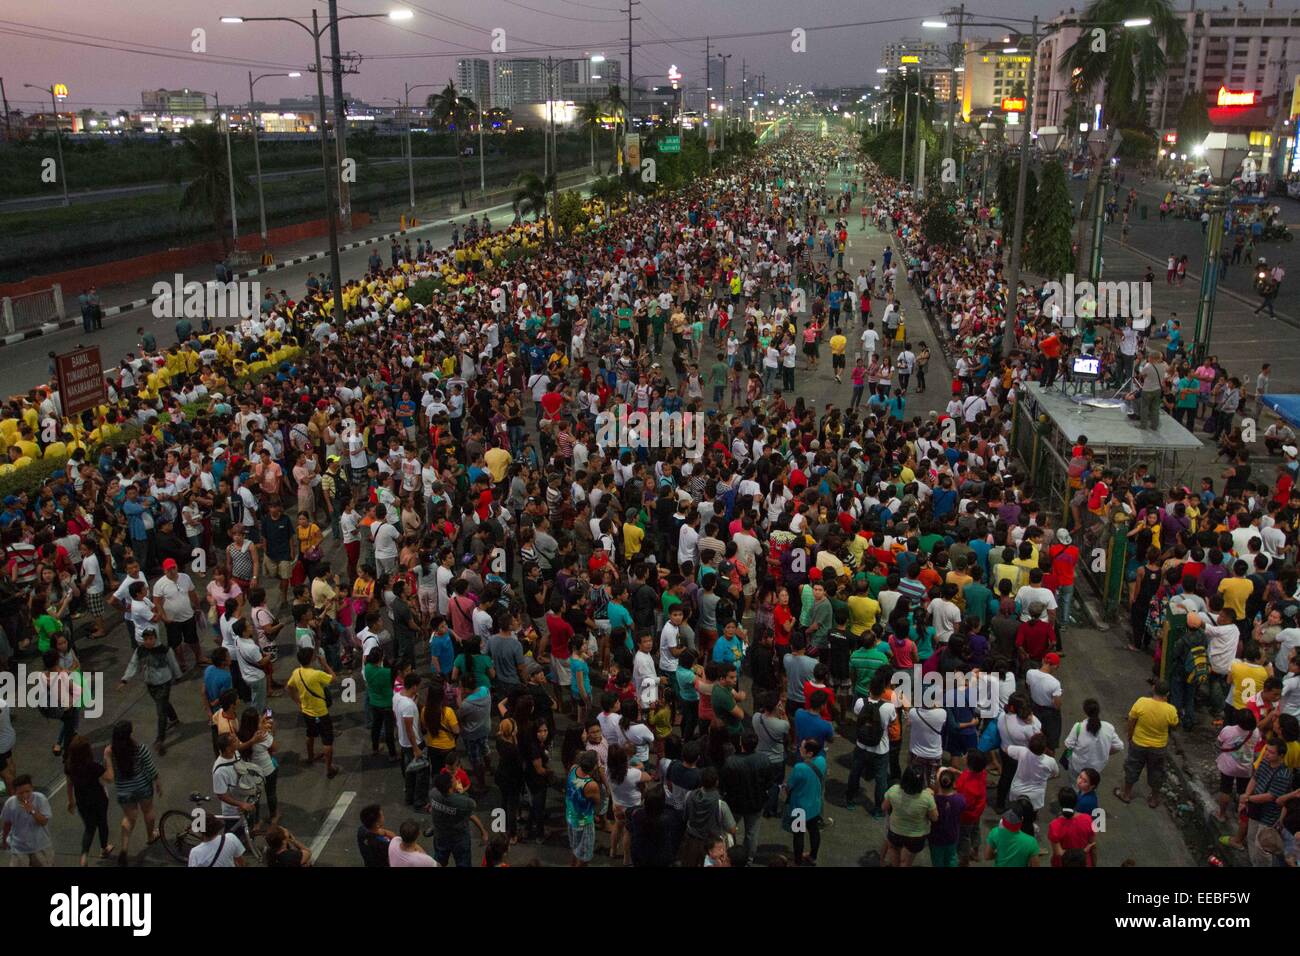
x,y
782,622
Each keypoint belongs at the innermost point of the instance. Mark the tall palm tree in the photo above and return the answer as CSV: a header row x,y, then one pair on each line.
x,y
208,191
1133,59
531,193
452,111
616,108
591,118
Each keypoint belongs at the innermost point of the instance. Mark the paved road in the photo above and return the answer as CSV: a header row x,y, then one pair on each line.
x,y
323,813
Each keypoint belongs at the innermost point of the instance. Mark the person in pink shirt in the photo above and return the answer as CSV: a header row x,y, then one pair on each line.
x,y
406,850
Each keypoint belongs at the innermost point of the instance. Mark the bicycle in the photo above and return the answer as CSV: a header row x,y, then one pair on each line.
x,y
177,830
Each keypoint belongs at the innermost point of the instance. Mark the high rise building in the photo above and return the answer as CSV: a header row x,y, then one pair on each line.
x,y
518,82
990,76
474,79
582,80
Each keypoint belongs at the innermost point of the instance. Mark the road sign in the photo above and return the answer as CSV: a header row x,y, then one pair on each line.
x,y
81,380
670,144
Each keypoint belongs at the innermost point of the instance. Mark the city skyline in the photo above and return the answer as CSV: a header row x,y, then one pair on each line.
x,y
86,48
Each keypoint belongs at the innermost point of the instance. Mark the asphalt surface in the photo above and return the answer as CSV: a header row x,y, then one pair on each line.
x,y
323,813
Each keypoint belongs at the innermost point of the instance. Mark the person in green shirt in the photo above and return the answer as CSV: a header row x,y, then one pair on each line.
x,y
1186,395
657,322
718,378
977,595
725,700
46,626
911,808
866,660
379,695
470,657
1009,845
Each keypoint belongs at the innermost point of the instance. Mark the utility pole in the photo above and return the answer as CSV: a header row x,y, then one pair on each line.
x,y
744,102
957,52
724,57
708,94
5,101
340,117
631,78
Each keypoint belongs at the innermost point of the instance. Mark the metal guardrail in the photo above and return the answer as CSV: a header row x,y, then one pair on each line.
x,y
32,310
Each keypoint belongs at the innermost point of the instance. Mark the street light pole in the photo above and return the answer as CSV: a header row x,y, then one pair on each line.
x,y
410,139
902,165
952,86
1223,153
58,137
257,156
1018,232
230,175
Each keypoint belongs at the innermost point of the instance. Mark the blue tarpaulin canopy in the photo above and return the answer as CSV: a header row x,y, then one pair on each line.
x,y
1286,406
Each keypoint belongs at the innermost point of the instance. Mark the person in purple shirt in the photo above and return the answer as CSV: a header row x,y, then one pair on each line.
x,y
1215,571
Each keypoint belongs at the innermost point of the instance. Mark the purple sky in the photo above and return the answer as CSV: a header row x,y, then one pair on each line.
x,y
106,78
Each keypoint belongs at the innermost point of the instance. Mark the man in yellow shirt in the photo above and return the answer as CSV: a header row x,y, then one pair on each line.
x,y
1237,589
863,609
838,346
309,688
633,535
498,462
1149,722
1248,676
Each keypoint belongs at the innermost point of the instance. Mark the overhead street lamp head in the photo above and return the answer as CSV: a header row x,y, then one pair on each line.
x,y
232,19
294,75
400,14
1098,142
881,69
1224,152
1049,138
1137,22
935,24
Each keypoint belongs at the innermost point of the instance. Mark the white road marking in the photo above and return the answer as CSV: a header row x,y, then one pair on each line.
x,y
332,822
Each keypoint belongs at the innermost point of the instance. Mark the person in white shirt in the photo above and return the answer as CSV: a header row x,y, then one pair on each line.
x,y
1033,769
669,640
1092,741
644,677
945,615
218,849
1045,694
925,738
386,538
688,541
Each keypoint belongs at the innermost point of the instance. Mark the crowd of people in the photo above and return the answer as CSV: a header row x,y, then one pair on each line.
x,y
669,644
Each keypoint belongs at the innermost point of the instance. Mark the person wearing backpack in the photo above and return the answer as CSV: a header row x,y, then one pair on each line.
x,y
1188,670
871,746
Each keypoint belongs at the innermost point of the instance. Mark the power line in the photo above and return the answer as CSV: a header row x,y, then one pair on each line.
x,y
561,16
188,57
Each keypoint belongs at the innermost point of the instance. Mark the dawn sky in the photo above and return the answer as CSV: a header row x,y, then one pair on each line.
x,y
80,44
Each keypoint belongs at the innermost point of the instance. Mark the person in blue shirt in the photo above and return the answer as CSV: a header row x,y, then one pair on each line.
x,y
581,673
729,648
441,649
617,613
804,790
217,679
809,724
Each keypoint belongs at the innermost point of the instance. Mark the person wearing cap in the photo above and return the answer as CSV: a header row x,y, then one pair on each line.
x,y
1064,554
1045,693
1008,845
175,602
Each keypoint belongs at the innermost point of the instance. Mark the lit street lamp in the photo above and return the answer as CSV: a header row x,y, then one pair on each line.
x,y
1098,148
57,91
257,156
1223,153
331,213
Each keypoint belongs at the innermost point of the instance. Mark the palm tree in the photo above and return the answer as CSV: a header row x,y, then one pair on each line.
x,y
531,193
1133,59
452,111
208,191
591,118
617,109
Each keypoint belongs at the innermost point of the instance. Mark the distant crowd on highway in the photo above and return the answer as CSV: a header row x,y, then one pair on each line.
x,y
567,634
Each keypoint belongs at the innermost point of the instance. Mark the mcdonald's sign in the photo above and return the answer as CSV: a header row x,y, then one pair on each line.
x,y
1013,104
61,90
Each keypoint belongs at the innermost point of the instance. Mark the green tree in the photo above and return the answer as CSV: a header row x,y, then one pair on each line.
x,y
1008,191
617,110
1193,121
1125,61
531,198
939,223
453,111
1050,252
590,118
569,212
208,190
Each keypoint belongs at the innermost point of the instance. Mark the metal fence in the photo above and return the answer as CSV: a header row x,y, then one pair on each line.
x,y
29,311
1102,541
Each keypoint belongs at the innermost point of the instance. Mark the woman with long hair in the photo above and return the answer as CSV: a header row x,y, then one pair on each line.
x,y
1016,726
1092,741
86,795
509,775
132,772
256,736
441,728
911,809
536,753
653,833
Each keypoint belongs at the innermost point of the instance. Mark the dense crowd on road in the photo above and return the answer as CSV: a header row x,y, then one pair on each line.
x,y
646,650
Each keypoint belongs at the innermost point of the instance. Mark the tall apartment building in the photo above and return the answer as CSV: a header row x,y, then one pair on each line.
x,y
474,79
990,75
582,80
518,82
